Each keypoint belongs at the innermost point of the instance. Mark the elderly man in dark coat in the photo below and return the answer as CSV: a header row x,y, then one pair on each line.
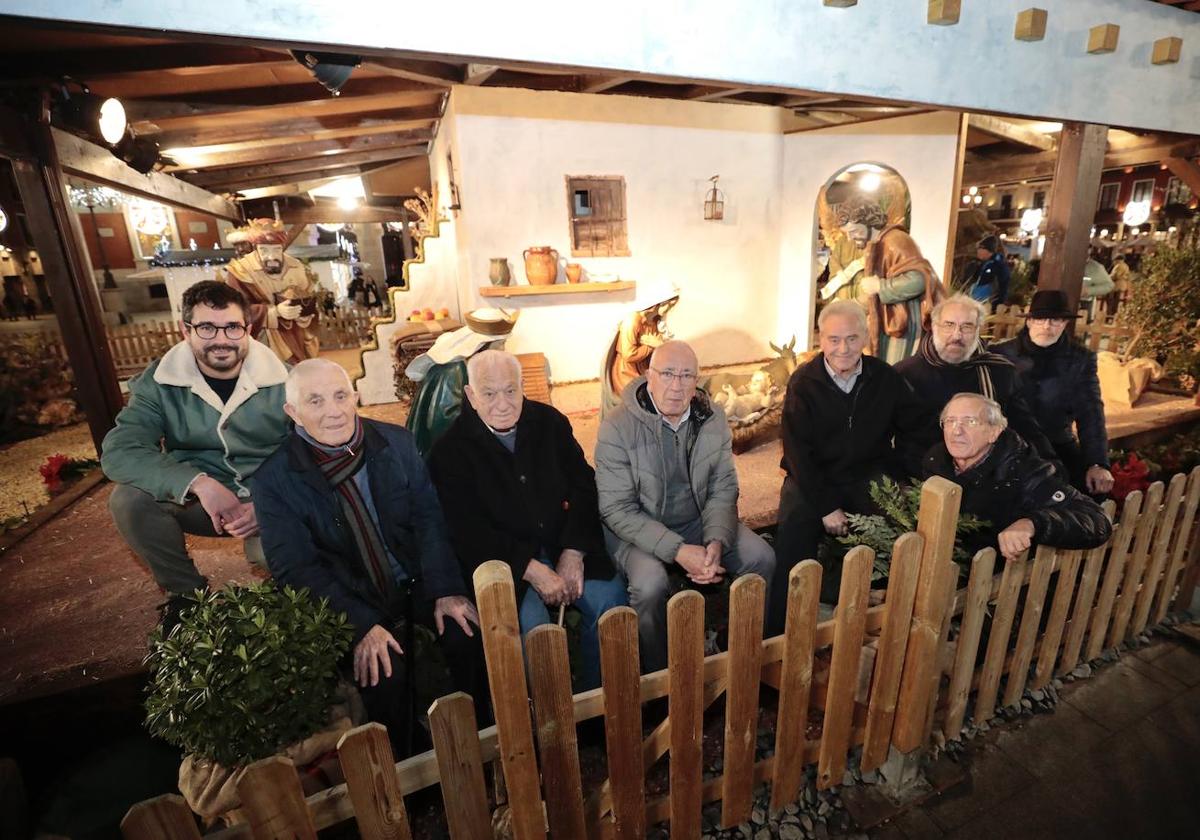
x,y
347,510
516,487
1059,382
1005,482
953,360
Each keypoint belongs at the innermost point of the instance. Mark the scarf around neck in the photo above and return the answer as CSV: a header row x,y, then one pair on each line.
x,y
981,360
339,468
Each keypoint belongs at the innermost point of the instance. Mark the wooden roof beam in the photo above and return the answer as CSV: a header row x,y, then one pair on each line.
x,y
395,119
601,83
97,63
254,172
291,151
300,177
1042,165
259,104
429,72
1006,130
477,74
711,93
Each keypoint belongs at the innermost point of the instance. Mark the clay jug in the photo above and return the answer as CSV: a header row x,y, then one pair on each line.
x,y
541,265
574,272
499,273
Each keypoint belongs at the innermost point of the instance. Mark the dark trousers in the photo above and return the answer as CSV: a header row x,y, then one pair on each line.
x,y
392,701
799,535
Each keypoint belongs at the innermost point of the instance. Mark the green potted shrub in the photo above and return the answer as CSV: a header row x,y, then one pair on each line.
x,y
249,672
1163,310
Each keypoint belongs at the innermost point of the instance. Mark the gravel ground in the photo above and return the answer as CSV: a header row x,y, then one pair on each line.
x,y
19,467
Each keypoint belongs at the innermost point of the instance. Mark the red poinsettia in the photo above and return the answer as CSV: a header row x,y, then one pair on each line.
x,y
52,472
1130,474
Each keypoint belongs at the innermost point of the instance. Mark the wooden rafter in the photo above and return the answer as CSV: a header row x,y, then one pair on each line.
x,y
477,74
430,72
1011,131
85,63
1042,164
394,120
298,177
258,153
235,175
304,92
602,83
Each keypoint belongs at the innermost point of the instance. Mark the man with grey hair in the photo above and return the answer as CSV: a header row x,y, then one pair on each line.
x,y
952,360
347,511
516,487
668,493
1024,500
840,414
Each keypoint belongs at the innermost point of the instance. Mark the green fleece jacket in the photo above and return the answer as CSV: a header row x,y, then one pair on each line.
x,y
176,428
631,472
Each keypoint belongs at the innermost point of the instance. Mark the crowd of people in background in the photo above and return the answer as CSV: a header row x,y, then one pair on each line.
x,y
221,438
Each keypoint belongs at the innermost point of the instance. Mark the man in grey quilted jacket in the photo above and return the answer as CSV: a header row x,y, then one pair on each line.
x,y
668,493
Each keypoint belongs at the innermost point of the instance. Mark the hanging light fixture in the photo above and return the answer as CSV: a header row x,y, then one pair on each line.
x,y
101,118
714,204
332,70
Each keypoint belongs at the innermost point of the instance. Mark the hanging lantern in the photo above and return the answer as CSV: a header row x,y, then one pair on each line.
x,y
714,204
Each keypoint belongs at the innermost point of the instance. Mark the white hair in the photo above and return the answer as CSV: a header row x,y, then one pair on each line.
x,y
291,388
489,358
960,300
845,309
993,415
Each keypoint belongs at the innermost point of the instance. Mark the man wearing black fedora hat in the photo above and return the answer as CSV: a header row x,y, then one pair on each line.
x,y
1058,380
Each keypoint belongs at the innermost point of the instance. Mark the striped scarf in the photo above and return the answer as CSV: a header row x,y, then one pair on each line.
x,y
981,360
339,469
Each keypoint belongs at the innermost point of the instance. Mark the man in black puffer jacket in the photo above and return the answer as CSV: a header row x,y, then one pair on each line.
x,y
1059,382
1005,482
952,360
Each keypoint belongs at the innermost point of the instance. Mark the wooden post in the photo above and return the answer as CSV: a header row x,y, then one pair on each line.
x,y
1183,535
1113,573
1068,574
623,721
979,587
274,802
365,754
495,595
936,523
1168,524
164,817
1068,225
901,592
1031,616
460,767
550,674
1136,565
795,684
685,657
746,597
1002,621
1085,597
850,622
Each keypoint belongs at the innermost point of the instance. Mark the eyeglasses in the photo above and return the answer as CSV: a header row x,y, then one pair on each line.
x,y
206,330
1058,322
951,327
683,378
961,422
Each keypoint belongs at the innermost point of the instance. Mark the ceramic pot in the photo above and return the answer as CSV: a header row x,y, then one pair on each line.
x,y
541,265
574,272
499,273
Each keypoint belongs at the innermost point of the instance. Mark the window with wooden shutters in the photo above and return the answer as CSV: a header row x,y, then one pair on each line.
x,y
596,208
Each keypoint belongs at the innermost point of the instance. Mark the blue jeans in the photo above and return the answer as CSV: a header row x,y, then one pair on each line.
x,y
599,596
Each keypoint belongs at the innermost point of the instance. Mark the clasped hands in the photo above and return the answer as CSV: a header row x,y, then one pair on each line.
x,y
701,562
561,585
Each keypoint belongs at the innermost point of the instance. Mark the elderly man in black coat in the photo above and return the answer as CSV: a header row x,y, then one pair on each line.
x,y
1059,382
952,360
1005,483
347,510
839,416
516,487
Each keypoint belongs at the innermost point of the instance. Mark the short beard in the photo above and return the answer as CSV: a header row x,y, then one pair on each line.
x,y
236,360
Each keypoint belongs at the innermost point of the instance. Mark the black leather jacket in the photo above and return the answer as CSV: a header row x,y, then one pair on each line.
x,y
1013,483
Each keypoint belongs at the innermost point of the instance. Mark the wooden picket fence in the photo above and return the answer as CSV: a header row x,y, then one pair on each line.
x,y
876,680
1098,335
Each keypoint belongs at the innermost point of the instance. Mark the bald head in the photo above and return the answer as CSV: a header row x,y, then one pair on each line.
x,y
671,379
321,400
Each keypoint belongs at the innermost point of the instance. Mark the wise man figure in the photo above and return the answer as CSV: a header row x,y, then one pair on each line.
x,y
281,295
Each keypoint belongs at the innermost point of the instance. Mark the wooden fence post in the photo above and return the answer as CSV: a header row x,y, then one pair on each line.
x,y
851,621
365,754
550,675
1113,573
495,595
685,658
1031,618
274,802
1179,549
979,589
937,523
619,655
1167,525
1068,576
460,767
1085,598
1002,621
164,817
795,683
746,602
1147,522
901,593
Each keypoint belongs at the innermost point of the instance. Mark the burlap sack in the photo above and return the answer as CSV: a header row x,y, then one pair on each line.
x,y
210,789
1122,383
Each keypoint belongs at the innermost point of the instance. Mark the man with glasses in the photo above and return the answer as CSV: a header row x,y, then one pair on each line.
x,y
668,493
1059,382
199,422
953,360
1024,500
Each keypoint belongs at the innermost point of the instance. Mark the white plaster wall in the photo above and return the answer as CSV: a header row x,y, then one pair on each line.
x,y
882,48
921,148
511,171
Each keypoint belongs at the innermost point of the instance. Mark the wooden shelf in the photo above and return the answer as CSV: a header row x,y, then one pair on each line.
x,y
555,289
